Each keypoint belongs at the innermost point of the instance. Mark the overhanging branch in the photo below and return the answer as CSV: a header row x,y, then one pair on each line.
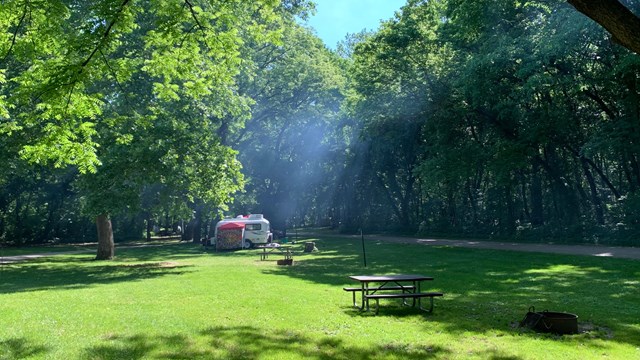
x,y
619,21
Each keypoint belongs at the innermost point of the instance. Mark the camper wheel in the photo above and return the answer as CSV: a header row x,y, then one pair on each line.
x,y
247,244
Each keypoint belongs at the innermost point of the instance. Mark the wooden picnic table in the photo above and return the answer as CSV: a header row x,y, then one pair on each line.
x,y
268,248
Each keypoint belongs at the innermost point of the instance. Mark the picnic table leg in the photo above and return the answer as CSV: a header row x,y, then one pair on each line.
x,y
416,285
430,305
365,291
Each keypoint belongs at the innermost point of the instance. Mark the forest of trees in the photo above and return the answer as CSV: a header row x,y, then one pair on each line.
x,y
487,119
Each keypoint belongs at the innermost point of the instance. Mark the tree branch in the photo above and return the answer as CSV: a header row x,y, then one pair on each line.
x,y
105,36
51,82
200,26
15,33
193,14
619,21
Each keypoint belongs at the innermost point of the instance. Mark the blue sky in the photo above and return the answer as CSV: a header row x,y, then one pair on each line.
x,y
336,18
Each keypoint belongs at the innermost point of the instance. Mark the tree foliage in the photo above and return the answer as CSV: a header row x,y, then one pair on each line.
x,y
509,100
130,93
54,54
290,140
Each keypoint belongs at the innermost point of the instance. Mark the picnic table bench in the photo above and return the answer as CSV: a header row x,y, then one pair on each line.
x,y
403,288
414,296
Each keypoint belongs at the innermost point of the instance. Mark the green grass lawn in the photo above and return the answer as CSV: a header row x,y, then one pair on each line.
x,y
179,302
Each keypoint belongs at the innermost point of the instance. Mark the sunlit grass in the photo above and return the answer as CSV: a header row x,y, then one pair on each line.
x,y
180,302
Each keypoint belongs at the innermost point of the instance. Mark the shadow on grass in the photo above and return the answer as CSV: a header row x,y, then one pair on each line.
x,y
489,291
80,271
179,251
246,342
19,348
391,309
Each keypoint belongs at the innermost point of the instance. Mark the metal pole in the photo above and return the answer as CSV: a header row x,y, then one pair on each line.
x,y
364,252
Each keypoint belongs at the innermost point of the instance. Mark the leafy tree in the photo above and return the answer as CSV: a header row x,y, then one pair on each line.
x,y
392,72
510,100
286,145
74,69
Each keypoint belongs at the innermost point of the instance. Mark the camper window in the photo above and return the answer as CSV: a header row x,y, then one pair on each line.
x,y
253,227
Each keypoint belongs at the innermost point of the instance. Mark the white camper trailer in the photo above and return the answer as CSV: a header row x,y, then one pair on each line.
x,y
256,229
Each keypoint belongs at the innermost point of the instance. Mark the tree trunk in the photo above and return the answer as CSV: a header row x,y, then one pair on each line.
x,y
189,233
523,194
106,247
197,225
537,206
510,224
149,227
597,203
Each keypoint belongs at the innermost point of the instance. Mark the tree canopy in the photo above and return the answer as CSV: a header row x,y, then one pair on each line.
x,y
130,93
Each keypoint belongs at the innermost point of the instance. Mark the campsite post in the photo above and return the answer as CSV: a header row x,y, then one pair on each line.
x,y
364,252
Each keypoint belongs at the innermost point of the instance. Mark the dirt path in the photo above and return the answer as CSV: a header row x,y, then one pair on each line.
x,y
602,251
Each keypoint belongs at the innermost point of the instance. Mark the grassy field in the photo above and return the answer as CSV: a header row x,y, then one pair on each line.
x,y
179,302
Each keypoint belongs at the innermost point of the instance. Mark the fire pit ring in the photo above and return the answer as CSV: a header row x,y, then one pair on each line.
x,y
551,322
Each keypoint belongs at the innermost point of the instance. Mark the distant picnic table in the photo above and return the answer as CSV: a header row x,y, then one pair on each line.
x,y
271,247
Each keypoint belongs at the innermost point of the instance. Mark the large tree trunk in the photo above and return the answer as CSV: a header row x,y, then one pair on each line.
x,y
106,247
